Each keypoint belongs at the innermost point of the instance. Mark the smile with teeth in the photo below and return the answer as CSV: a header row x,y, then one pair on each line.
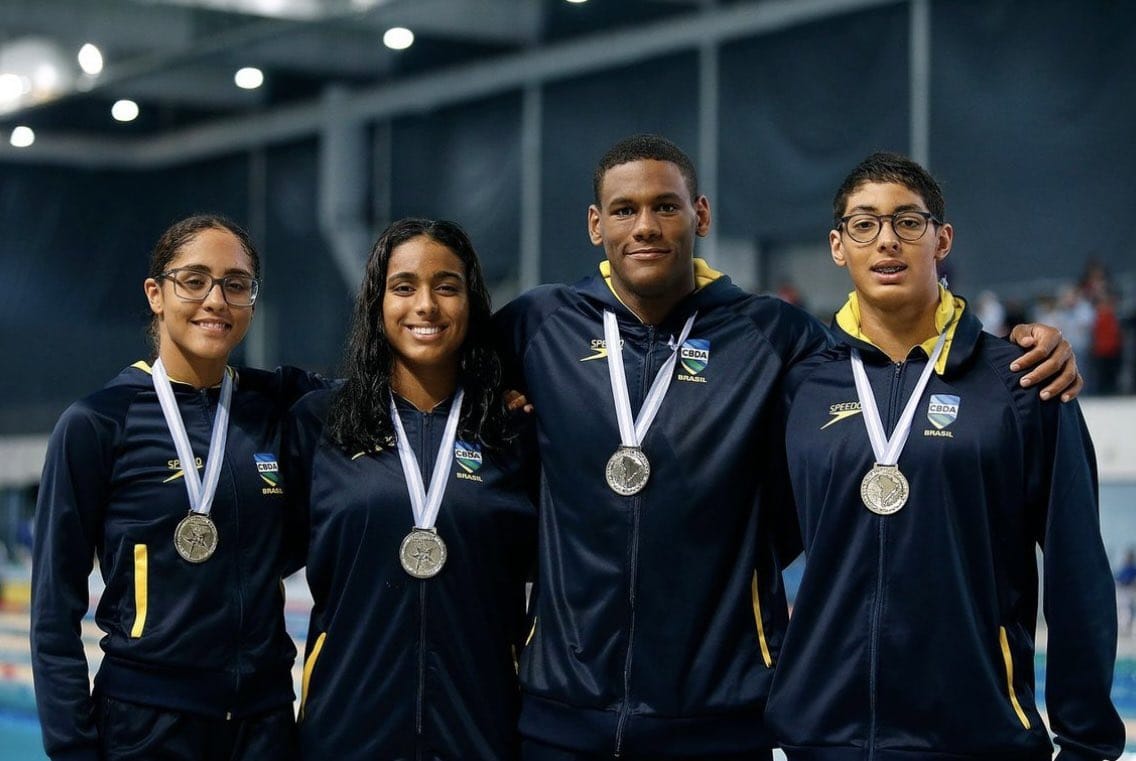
x,y
425,330
889,269
212,324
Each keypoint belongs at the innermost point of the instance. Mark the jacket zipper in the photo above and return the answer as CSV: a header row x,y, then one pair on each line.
x,y
636,505
421,658
427,467
877,603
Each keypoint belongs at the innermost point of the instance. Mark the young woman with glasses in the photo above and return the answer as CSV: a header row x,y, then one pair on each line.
x,y
168,476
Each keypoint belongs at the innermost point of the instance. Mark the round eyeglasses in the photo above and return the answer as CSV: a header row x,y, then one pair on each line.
x,y
908,226
195,285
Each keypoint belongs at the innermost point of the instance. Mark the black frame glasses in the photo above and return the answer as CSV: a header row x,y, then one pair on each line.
x,y
231,286
903,232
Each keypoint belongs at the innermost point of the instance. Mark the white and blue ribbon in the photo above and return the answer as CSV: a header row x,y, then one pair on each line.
x,y
426,504
887,451
631,434
201,491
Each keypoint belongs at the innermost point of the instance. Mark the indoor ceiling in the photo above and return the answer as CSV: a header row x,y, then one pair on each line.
x,y
176,59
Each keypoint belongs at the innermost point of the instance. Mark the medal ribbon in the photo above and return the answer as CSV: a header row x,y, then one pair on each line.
x,y
887,451
427,504
200,493
632,434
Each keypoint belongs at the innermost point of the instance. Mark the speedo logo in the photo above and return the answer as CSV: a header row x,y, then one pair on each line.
x,y
175,466
469,460
598,347
840,411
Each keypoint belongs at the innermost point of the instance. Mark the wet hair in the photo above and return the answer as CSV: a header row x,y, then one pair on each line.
x,y
180,234
891,167
645,147
359,418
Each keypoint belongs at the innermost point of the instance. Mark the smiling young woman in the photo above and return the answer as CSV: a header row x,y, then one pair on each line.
x,y
418,580
197,663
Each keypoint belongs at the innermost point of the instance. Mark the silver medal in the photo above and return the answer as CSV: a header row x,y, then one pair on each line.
x,y
195,538
627,471
884,489
423,553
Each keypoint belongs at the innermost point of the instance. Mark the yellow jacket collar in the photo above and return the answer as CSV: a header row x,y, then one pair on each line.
x,y
704,275
946,317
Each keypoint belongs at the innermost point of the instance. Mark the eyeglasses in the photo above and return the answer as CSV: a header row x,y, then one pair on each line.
x,y
908,225
195,285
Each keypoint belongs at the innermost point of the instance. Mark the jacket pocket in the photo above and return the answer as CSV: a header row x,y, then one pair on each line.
x,y
765,655
141,589
309,666
1008,661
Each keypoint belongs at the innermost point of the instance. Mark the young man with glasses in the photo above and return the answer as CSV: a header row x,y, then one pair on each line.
x,y
925,478
659,606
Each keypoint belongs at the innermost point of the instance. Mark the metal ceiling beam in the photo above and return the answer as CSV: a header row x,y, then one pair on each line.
x,y
597,52
502,22
111,24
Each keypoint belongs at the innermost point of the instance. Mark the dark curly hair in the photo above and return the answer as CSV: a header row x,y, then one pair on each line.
x,y
884,167
642,147
359,418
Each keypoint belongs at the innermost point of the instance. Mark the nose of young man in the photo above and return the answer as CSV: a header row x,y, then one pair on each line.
x,y
887,240
646,227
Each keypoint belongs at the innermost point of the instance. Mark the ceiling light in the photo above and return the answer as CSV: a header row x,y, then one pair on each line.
x,y
22,137
398,38
13,87
249,78
124,110
90,59
45,78
577,2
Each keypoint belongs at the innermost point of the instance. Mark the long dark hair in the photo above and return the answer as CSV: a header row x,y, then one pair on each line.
x,y
359,418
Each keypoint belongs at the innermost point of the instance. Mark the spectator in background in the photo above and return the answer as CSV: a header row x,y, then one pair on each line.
x,y
1094,280
1107,342
1074,316
788,292
991,314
